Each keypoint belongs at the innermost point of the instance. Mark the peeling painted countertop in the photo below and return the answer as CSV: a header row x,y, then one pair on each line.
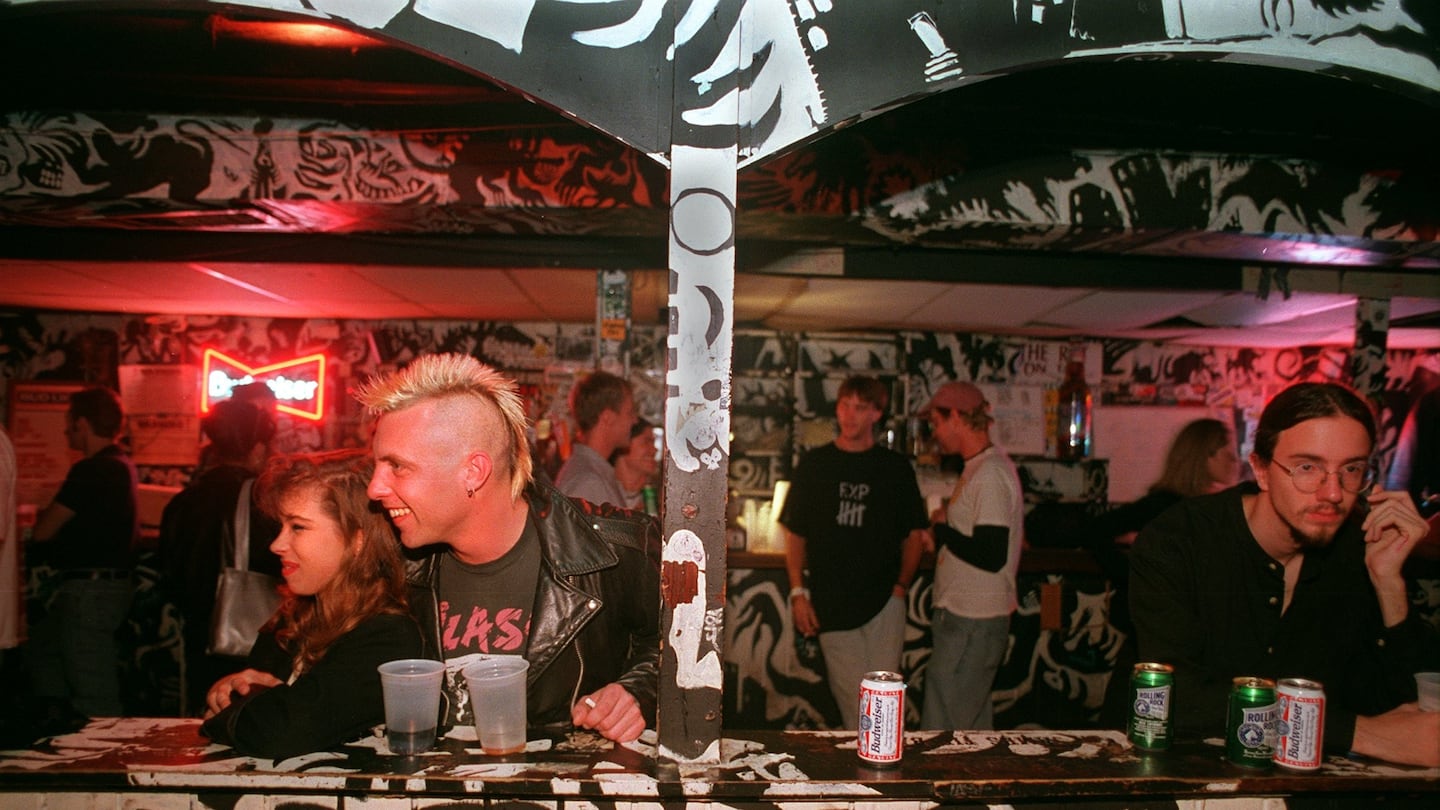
x,y
136,755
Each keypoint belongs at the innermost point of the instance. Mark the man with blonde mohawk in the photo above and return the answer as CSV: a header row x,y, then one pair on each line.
x,y
503,564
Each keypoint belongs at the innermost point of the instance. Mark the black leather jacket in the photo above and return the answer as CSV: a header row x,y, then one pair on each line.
x,y
597,605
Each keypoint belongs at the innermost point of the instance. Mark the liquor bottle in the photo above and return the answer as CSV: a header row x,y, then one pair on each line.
x,y
1051,404
1072,422
547,449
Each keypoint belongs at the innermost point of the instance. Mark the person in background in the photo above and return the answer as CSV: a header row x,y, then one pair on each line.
x,y
1296,575
9,552
978,537
311,682
1201,460
1416,466
854,534
637,464
508,565
197,525
15,722
89,533
603,407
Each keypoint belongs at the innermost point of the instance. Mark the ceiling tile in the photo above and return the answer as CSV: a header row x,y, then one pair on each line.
x,y
857,304
1108,310
961,307
1248,309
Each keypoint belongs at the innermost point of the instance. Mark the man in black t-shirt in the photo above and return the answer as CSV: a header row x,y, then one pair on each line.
x,y
89,533
855,519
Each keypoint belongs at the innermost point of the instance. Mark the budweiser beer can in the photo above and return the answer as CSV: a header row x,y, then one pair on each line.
x,y
1301,727
881,739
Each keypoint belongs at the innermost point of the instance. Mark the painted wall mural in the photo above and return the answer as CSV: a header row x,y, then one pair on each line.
x,y
1068,202
325,176
443,180
89,347
1054,676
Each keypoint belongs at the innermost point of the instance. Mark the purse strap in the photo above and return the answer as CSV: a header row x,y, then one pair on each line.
x,y
240,547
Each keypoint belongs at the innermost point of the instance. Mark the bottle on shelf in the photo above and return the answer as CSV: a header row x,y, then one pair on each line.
x,y
1074,404
547,448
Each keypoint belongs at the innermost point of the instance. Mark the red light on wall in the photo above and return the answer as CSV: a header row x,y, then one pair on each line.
x,y
298,385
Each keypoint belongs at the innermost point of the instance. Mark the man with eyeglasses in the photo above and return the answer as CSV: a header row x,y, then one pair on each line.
x,y
1296,575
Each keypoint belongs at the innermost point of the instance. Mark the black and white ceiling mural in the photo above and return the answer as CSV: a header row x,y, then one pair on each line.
x,y
801,67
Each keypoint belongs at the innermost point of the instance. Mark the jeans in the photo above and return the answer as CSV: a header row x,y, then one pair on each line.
x,y
72,651
963,662
849,654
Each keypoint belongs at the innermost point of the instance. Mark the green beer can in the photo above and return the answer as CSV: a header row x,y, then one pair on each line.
x,y
1250,722
1151,686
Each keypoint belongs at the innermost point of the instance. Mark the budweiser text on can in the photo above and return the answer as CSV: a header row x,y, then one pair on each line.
x,y
1250,723
881,740
1299,732
1151,687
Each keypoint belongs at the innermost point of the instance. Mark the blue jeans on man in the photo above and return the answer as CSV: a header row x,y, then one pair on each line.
x,y
965,655
73,654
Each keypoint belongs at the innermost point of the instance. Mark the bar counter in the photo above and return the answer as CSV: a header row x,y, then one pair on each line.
x,y
164,763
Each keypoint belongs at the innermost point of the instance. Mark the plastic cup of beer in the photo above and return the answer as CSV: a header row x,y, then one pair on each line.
x,y
497,695
412,703
1427,686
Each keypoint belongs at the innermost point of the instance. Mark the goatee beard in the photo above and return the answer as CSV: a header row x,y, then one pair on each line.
x,y
1309,542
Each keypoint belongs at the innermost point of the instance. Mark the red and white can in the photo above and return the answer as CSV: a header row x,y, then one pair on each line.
x,y
882,718
1301,727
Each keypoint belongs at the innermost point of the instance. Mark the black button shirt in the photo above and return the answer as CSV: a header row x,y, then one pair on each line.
x,y
1207,599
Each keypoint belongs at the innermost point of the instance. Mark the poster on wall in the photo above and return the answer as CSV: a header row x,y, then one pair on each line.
x,y
162,408
37,429
1019,413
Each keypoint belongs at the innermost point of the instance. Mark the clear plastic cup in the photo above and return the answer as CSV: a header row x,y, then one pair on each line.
x,y
1427,686
412,703
497,695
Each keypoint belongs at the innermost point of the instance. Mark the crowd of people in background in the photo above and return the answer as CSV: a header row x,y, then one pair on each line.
x,y
444,539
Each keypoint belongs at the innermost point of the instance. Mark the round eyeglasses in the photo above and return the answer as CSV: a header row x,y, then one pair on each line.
x,y
1356,477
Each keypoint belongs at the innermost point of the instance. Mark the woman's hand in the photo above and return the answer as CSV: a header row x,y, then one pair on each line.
x,y
223,692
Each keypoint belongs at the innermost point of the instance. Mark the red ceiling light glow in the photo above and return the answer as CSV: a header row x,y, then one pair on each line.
x,y
313,34
298,385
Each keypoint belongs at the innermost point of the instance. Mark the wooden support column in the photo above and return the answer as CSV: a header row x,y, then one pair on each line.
x,y
1367,359
703,165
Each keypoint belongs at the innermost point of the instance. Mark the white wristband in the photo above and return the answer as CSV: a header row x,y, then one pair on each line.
x,y
794,592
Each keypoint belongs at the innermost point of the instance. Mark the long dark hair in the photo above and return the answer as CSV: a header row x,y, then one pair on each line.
x,y
1187,470
371,580
1305,401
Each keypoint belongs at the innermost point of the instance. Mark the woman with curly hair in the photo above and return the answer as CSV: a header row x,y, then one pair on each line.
x,y
311,681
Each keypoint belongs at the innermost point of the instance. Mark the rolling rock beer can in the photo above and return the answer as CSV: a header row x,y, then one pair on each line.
x,y
1250,723
1301,724
1151,686
882,718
